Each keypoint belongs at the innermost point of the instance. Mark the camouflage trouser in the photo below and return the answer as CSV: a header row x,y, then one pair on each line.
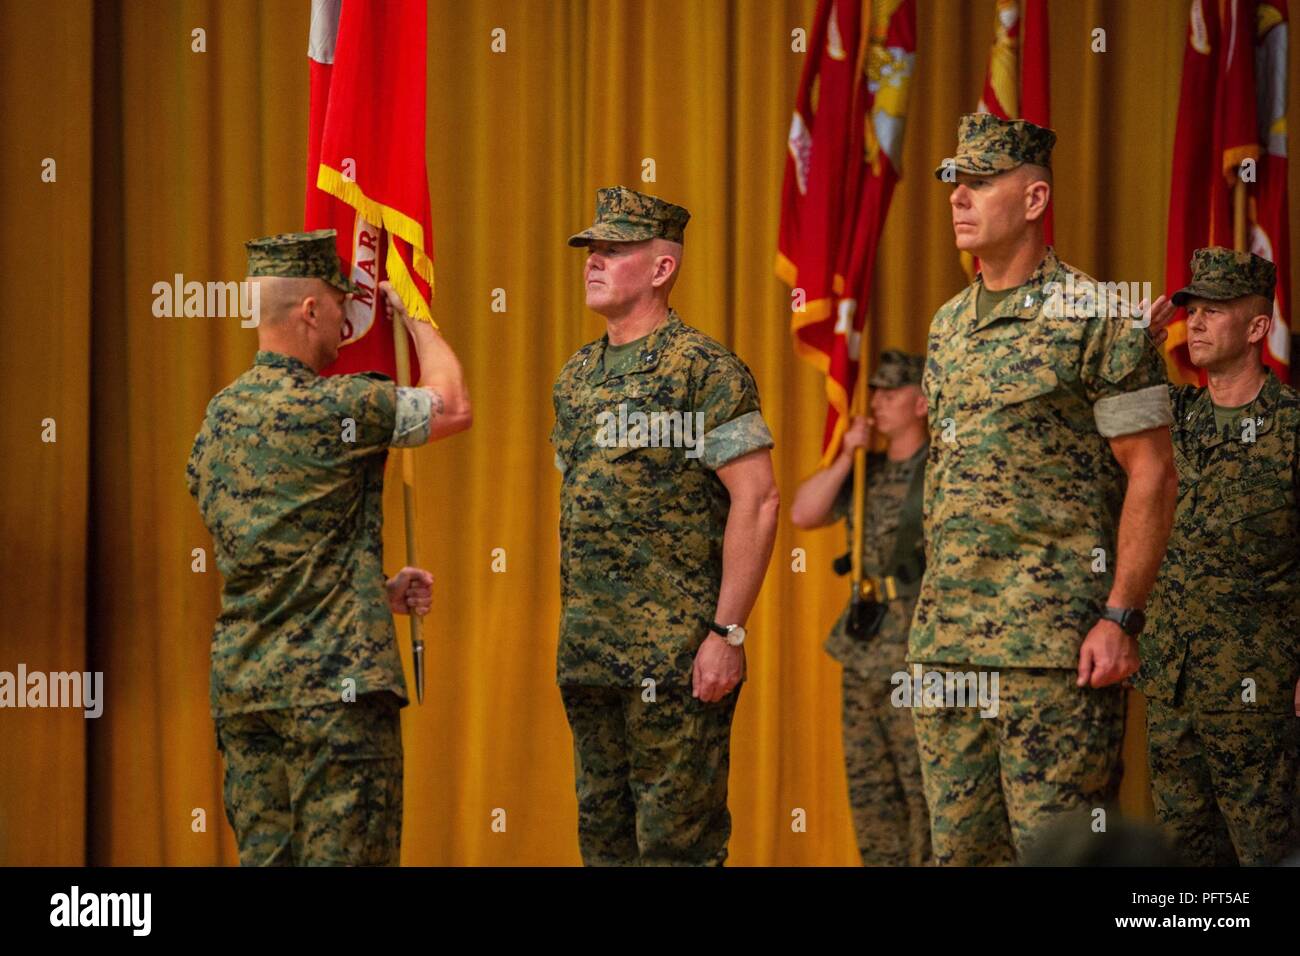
x,y
992,782
884,773
651,777
316,786
1225,785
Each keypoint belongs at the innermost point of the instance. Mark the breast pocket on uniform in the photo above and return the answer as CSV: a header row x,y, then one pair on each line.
x,y
1256,519
649,433
1260,508
644,463
1021,387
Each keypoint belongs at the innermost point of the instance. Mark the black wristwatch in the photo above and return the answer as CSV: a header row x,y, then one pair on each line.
x,y
1130,619
733,634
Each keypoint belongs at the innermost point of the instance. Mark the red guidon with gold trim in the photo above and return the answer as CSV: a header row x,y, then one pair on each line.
x,y
366,173
845,145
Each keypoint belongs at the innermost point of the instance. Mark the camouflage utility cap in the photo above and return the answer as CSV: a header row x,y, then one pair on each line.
x,y
298,255
987,144
897,369
625,215
1219,273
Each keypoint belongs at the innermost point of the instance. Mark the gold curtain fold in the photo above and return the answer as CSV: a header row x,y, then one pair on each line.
x,y
169,159
45,363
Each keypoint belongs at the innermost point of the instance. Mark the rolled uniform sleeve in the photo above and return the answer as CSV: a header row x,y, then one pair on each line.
x,y
1124,377
369,401
414,418
733,425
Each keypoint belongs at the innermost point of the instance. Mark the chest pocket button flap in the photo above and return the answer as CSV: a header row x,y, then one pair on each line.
x,y
1251,503
1022,386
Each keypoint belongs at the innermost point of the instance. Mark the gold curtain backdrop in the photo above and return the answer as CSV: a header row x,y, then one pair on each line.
x,y
168,159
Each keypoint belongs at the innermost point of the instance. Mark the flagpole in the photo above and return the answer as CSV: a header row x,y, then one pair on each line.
x,y
863,590
1239,239
403,357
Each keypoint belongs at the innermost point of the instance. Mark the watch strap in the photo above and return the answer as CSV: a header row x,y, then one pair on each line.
x,y
1129,619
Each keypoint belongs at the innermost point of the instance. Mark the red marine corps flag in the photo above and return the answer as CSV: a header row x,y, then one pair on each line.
x,y
366,177
366,173
1228,186
845,148
1268,209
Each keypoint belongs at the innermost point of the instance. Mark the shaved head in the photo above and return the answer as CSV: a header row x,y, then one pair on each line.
x,y
281,295
1253,305
666,247
1033,172
1026,175
300,316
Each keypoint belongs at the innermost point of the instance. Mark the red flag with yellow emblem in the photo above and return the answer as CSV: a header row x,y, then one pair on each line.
x,y
845,149
366,174
1016,83
1231,111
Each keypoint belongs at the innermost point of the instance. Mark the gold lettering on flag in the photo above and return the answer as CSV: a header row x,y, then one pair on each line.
x,y
359,315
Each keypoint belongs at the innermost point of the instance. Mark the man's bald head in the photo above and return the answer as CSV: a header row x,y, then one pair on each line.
x,y
1032,172
1028,175
280,296
661,248
300,316
1253,305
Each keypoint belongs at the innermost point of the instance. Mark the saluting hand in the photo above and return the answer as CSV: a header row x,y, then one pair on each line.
x,y
410,591
1162,310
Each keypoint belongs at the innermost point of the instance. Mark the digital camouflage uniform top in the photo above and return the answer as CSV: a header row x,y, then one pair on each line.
x,y
1021,485
641,528
294,508
1226,604
879,657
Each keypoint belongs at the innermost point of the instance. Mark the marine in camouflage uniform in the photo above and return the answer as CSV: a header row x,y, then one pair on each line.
x,y
890,818
641,537
1221,655
1021,487
294,507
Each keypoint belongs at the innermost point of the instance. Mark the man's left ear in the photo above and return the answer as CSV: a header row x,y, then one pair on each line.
x,y
662,275
1039,189
309,304
1258,327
